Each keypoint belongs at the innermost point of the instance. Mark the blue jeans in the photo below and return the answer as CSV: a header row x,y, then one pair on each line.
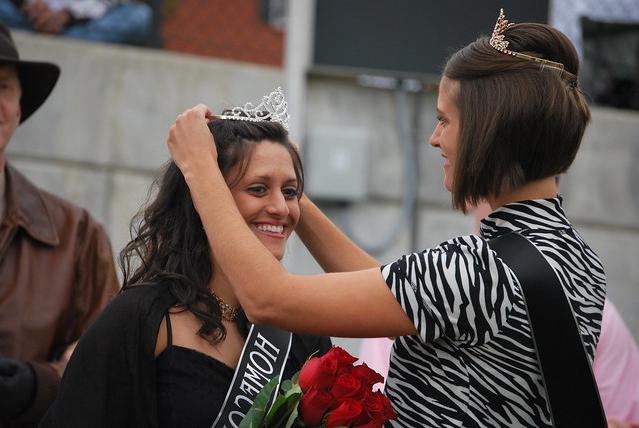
x,y
128,23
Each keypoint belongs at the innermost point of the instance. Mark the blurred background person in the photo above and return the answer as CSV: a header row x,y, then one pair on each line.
x,y
616,369
56,263
114,21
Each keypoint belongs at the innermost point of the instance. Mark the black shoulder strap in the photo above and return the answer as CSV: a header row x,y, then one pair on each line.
x,y
565,368
169,330
263,358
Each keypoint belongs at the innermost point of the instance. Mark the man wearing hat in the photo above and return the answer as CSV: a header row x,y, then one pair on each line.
x,y
56,264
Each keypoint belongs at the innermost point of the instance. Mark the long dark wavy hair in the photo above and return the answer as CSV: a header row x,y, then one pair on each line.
x,y
168,244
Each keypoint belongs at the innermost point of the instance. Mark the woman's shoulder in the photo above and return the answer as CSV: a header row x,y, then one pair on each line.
x,y
116,350
129,323
142,296
145,291
134,303
474,248
472,241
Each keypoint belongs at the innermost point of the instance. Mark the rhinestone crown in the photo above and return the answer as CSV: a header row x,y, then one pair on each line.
x,y
273,108
499,42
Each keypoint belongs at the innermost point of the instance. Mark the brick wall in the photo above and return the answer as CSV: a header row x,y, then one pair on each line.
x,y
229,29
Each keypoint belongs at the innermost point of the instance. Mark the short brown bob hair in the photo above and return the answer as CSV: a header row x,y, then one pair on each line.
x,y
519,121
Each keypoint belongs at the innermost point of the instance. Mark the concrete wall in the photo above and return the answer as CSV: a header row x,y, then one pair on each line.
x,y
101,136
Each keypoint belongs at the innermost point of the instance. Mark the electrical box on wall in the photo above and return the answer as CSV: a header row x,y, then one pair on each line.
x,y
335,163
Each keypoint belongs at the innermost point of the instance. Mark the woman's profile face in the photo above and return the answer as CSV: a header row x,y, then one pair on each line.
x,y
446,133
266,195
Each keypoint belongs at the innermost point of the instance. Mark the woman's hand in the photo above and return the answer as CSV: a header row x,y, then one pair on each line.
x,y
191,143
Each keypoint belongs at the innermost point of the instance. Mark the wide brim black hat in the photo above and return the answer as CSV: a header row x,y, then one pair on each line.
x,y
37,79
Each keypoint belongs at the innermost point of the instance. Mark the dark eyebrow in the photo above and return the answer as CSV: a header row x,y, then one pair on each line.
x,y
268,178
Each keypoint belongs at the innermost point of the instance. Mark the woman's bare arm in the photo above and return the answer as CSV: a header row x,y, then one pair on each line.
x,y
353,304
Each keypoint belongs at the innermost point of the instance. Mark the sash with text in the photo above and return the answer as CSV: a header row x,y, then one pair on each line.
x,y
264,356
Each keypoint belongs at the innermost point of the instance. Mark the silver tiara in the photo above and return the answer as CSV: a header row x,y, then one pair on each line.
x,y
273,108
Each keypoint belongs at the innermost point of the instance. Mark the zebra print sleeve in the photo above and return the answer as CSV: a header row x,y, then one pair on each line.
x,y
460,290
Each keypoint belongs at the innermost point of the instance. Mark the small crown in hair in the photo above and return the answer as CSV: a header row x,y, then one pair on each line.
x,y
273,108
499,42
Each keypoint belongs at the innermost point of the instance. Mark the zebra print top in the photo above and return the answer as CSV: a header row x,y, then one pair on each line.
x,y
473,363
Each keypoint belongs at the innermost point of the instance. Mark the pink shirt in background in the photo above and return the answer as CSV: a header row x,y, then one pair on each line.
x,y
616,368
376,354
616,365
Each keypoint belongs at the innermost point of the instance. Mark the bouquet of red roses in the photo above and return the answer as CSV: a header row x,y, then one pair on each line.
x,y
328,392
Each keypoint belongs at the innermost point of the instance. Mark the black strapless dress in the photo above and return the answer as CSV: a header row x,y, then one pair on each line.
x,y
191,386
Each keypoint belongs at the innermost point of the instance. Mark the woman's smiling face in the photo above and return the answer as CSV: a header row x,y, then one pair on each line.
x,y
446,133
267,195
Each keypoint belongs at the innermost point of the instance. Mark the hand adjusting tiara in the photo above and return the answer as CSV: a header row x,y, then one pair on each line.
x,y
498,41
273,108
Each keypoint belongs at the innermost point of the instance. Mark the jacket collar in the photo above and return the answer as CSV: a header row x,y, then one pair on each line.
x,y
27,208
536,214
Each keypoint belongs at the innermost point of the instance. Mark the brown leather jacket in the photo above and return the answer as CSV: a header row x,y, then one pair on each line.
x,y
56,275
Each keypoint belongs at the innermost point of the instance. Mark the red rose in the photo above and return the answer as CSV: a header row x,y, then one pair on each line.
x,y
350,412
344,370
317,372
340,356
366,375
389,413
378,407
313,406
346,386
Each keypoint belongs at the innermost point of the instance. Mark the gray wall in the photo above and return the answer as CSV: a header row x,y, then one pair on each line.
x,y
101,137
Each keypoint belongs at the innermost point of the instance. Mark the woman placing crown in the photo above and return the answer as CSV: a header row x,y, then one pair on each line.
x,y
166,352
511,118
